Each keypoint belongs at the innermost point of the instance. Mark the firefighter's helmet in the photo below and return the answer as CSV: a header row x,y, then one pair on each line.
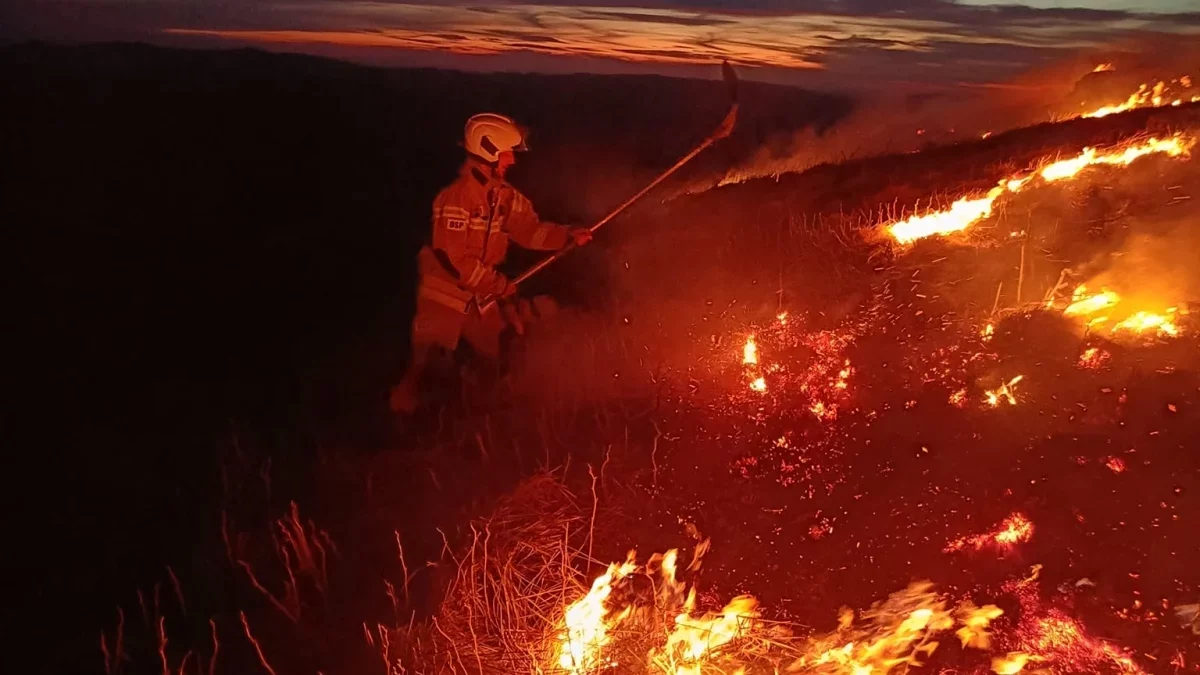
x,y
488,134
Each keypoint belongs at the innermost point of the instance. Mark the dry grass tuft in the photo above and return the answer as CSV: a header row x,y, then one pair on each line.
x,y
502,609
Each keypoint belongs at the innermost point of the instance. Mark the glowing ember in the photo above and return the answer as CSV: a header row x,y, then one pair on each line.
x,y
1143,322
1093,358
970,210
822,411
959,398
750,351
1049,636
987,332
843,376
1115,464
1003,392
759,385
1061,639
1015,529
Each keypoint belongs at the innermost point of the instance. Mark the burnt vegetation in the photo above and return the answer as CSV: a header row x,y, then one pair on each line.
x,y
213,255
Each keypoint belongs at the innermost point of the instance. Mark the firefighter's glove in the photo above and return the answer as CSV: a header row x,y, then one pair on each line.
x,y
580,236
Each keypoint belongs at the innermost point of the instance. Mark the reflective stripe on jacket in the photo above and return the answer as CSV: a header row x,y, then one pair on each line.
x,y
473,219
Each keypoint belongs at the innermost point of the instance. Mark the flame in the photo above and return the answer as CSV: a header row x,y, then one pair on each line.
x,y
896,633
1081,303
987,332
1104,68
759,385
1004,391
1147,96
1142,322
695,638
750,352
587,621
1068,168
1011,664
961,215
969,210
1015,529
975,622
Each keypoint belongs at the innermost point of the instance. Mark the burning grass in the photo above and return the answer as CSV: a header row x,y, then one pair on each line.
x,y
1172,93
520,604
968,211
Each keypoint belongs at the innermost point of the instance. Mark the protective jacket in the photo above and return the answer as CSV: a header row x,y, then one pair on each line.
x,y
473,220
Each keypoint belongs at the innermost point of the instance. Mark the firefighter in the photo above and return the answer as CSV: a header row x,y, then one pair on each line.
x,y
474,218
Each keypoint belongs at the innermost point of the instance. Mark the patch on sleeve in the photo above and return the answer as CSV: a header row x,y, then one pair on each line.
x,y
454,224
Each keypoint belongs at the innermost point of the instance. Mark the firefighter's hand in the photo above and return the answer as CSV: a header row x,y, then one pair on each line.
x,y
580,236
510,289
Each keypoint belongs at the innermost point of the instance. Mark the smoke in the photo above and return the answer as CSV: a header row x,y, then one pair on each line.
x,y
903,122
1153,271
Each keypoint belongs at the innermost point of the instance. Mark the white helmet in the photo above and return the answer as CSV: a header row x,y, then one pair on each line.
x,y
488,134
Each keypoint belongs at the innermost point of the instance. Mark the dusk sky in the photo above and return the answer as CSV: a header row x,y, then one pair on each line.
x,y
819,43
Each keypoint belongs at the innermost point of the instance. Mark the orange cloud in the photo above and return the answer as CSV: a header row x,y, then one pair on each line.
x,y
951,44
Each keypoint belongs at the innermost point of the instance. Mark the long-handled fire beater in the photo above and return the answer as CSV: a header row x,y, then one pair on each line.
x,y
723,130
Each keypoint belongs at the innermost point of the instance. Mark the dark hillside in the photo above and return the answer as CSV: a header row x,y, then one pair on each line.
x,y
207,242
